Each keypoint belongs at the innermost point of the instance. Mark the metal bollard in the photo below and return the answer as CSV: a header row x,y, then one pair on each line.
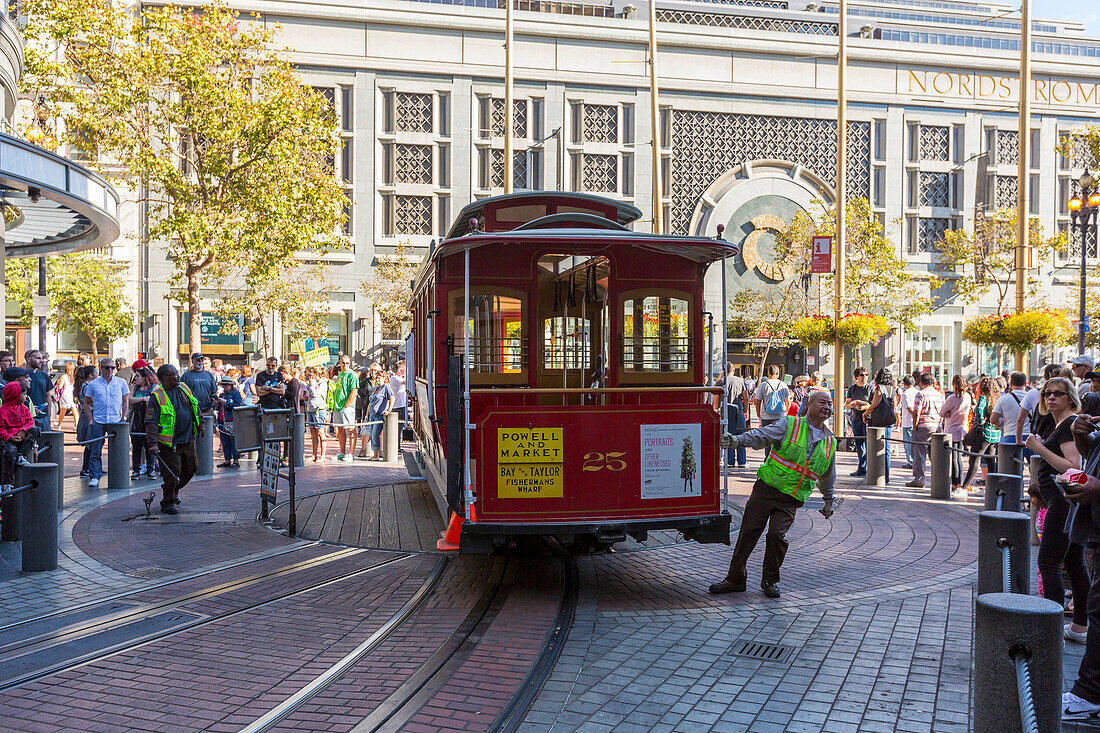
x,y
1010,458
1007,487
995,531
204,447
51,449
1033,480
118,455
298,444
10,529
391,438
939,465
876,456
39,517
1007,624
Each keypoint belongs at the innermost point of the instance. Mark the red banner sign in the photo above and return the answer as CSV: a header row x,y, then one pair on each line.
x,y
821,260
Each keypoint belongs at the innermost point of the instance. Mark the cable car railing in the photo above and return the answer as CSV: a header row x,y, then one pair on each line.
x,y
656,354
597,396
492,354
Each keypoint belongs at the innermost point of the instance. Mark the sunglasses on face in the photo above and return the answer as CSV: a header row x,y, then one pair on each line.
x,y
1048,395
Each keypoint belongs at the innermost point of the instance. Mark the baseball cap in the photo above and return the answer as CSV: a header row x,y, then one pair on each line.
x,y
1092,375
226,380
197,355
14,373
140,364
1083,360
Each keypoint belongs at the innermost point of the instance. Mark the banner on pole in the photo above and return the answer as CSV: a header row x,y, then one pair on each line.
x,y
821,258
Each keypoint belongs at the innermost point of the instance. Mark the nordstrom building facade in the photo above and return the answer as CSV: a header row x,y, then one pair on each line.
x,y
747,133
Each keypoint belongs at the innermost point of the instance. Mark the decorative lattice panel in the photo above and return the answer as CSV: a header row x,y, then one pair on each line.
x,y
601,123
934,190
412,214
1004,192
1073,244
519,168
519,117
599,173
1007,143
935,142
772,4
706,145
413,163
930,233
414,112
749,22
1079,155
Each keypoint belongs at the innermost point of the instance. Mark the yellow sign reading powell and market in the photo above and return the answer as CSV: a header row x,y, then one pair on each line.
x,y
529,463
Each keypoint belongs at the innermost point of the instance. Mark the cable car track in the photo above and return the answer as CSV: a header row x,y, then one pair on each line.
x,y
120,621
434,674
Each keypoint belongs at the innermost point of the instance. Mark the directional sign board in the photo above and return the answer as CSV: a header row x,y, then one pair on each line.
x,y
269,473
821,259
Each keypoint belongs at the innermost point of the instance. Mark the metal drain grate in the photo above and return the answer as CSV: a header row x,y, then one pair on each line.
x,y
149,573
762,651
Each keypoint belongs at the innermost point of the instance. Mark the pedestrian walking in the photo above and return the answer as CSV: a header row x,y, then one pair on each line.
x,y
1059,454
142,461
908,395
107,399
362,408
802,458
1082,365
228,400
956,414
317,411
882,410
926,418
63,389
983,437
247,385
856,401
84,374
201,382
772,399
381,399
400,397
172,422
41,387
735,397
341,404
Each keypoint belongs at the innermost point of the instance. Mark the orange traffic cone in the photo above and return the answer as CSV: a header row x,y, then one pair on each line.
x,y
450,537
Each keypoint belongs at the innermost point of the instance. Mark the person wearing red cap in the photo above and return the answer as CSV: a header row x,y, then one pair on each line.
x,y
17,431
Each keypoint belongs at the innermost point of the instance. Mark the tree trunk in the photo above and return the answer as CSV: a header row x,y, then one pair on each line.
x,y
194,310
95,346
858,351
1000,358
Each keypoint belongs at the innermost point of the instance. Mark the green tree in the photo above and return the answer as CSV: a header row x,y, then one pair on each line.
x,y
876,277
21,278
87,293
205,119
389,286
764,315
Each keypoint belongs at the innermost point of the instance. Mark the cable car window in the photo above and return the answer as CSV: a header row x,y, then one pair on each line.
x,y
656,334
498,345
568,339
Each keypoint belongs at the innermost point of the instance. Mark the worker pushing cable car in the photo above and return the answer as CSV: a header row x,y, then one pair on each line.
x,y
561,368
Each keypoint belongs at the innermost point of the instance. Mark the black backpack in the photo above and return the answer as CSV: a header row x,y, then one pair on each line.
x,y
883,415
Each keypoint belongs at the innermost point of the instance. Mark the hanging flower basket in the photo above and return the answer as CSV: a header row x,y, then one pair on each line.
x,y
984,330
1021,331
857,329
812,330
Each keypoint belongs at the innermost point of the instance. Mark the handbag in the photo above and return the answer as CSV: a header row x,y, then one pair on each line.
x,y
975,434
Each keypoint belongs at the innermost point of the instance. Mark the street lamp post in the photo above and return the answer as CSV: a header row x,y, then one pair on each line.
x,y
1083,214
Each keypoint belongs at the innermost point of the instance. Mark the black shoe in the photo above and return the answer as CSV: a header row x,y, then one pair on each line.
x,y
236,464
85,474
169,509
727,586
771,590
858,473
225,464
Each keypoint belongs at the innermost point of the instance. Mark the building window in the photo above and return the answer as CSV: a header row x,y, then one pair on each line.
x,y
414,112
934,190
935,142
599,173
600,123
413,163
407,215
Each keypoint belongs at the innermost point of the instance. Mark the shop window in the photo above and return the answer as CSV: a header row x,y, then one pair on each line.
x,y
656,334
498,345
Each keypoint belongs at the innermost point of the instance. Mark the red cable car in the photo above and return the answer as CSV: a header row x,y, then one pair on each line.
x,y
559,360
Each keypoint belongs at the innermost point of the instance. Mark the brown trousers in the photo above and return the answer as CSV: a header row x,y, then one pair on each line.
x,y
767,506
177,466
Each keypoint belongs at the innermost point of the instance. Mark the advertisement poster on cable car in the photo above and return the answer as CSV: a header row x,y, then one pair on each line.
x,y
670,461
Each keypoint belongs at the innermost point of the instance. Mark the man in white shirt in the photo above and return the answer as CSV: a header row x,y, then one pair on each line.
x,y
926,419
1081,366
400,395
107,400
1007,410
908,394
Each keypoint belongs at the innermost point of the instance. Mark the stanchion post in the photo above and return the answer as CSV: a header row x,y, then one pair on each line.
x,y
939,465
298,448
1014,623
995,531
1010,458
55,453
13,518
876,456
1033,480
1005,490
39,517
391,438
118,455
204,448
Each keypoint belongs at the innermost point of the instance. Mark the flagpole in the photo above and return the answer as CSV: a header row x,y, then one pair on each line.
x,y
509,113
841,196
655,119
1023,176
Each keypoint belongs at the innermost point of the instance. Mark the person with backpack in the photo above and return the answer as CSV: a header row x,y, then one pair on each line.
x,y
857,401
772,399
926,420
882,412
736,400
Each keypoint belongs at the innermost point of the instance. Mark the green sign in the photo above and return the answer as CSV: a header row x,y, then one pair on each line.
x,y
211,330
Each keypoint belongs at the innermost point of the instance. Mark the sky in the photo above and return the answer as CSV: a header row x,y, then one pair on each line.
x,y
1088,12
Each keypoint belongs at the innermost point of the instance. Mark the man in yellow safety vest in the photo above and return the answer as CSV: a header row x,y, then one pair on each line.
x,y
802,456
171,424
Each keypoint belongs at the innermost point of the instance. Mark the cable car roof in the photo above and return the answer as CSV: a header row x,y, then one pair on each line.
x,y
507,212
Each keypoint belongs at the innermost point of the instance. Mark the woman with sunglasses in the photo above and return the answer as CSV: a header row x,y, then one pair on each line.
x,y
1059,453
